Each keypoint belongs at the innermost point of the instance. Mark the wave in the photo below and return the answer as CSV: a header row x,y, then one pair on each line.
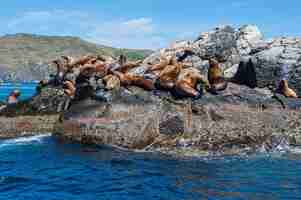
x,y
24,140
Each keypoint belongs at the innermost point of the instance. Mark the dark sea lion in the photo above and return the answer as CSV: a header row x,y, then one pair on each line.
x,y
181,56
284,89
61,70
246,74
122,60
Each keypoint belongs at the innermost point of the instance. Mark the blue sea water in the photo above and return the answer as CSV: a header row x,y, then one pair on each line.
x,y
42,168
27,90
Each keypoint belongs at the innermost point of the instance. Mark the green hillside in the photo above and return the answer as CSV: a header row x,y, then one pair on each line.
x,y
25,56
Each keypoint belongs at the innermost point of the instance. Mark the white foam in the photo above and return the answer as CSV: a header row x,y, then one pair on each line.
x,y
24,140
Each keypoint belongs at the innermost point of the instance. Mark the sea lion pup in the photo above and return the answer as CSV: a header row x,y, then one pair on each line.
x,y
111,82
215,77
69,88
187,83
285,90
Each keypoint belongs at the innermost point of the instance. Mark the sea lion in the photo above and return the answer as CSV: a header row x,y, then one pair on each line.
x,y
164,61
142,82
284,89
168,76
68,60
60,72
215,77
183,54
82,60
13,97
139,81
187,83
111,82
69,88
122,60
42,84
129,65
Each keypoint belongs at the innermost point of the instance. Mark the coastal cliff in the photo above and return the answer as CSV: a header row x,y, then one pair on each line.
x,y
246,117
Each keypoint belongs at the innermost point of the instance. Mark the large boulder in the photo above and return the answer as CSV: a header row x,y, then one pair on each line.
x,y
225,43
249,38
238,119
280,59
50,100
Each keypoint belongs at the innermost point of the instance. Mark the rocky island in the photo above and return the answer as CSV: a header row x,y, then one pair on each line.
x,y
97,99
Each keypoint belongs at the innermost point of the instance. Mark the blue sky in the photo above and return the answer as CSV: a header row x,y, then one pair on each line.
x,y
146,23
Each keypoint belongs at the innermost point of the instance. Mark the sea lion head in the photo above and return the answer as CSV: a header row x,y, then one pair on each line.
x,y
111,82
16,93
122,60
213,62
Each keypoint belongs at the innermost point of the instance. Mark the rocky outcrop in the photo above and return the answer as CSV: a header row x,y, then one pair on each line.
x,y
239,119
21,126
50,100
235,48
246,117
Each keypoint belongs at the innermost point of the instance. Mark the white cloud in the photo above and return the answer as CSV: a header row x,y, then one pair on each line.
x,y
131,33
142,24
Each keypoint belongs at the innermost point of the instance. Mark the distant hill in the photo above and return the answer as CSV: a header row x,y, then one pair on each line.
x,y
25,56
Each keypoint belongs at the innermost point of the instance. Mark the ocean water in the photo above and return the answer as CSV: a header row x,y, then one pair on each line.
x,y
40,167
27,90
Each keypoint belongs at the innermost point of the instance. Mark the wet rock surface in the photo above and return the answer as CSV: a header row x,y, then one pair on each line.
x,y
239,119
50,100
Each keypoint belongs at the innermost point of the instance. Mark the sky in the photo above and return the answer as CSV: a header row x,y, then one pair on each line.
x,y
149,24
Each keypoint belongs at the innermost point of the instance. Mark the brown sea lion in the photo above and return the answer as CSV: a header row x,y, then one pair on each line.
x,y
141,82
128,66
69,88
168,76
187,83
82,60
284,89
164,61
135,80
215,77
68,60
111,82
